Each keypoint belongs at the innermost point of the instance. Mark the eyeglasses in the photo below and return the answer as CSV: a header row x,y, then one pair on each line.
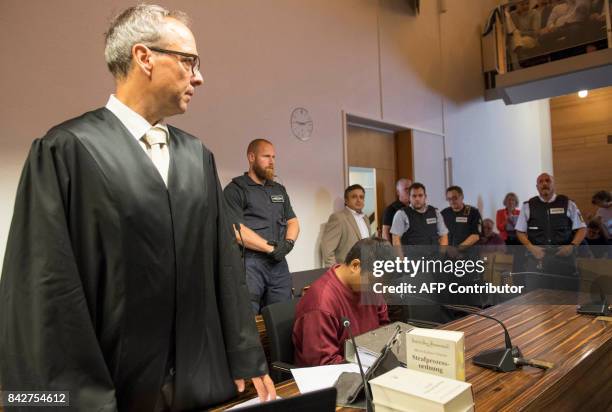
x,y
193,60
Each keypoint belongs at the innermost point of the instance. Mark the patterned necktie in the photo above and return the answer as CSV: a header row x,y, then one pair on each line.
x,y
156,140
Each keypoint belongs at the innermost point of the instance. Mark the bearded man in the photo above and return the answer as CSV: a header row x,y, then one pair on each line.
x,y
265,224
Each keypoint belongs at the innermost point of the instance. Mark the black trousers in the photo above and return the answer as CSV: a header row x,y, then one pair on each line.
x,y
268,281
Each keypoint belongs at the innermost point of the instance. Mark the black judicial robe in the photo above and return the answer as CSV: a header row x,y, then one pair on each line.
x,y
103,263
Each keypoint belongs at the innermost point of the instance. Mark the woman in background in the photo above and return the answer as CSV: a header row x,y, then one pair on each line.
x,y
506,218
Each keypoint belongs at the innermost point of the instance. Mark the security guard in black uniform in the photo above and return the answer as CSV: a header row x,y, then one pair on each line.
x,y
550,226
464,226
463,221
418,224
419,229
268,227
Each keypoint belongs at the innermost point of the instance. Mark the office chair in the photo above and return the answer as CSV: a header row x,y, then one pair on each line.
x,y
279,318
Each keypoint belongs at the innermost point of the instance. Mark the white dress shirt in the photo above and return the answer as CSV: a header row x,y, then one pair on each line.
x,y
136,125
361,224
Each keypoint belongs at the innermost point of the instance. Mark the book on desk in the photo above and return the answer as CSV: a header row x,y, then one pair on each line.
x,y
403,389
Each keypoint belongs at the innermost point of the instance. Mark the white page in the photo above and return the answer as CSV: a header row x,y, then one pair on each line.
x,y
367,358
320,377
254,401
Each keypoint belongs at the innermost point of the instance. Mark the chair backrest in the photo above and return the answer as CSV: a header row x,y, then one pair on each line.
x,y
305,278
279,318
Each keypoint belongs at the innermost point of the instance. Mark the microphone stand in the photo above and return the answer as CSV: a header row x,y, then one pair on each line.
x,y
505,359
501,360
369,408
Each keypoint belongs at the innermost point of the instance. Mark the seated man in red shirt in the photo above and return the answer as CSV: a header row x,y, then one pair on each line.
x,y
318,333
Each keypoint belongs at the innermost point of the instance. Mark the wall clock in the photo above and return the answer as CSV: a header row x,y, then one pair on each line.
x,y
301,123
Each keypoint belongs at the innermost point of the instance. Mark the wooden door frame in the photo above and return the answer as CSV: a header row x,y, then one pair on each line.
x,y
350,118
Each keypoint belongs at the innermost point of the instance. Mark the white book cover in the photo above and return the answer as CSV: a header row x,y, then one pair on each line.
x,y
409,390
438,352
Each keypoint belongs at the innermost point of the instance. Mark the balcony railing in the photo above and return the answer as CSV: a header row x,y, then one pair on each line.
x,y
525,33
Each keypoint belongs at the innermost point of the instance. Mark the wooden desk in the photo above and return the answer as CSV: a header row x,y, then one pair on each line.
x,y
578,345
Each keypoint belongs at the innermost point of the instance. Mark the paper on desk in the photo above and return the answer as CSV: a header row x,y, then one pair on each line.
x,y
250,402
320,377
367,357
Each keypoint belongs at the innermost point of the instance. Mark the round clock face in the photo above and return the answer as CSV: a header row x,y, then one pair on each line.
x,y
301,123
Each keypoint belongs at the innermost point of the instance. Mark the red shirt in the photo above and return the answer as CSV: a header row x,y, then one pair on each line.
x,y
500,221
318,334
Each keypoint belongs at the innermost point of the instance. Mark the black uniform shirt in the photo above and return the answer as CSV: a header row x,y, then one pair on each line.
x,y
265,209
390,212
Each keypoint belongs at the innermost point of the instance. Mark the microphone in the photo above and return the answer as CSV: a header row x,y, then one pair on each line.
x,y
501,360
505,359
347,324
498,359
600,308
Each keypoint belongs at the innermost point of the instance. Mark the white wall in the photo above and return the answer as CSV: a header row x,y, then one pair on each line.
x,y
428,153
494,148
263,58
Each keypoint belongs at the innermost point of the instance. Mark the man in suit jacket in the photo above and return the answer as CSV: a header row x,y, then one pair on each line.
x,y
122,282
345,228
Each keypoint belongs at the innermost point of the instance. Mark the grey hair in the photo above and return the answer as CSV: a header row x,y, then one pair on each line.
x,y
139,24
402,180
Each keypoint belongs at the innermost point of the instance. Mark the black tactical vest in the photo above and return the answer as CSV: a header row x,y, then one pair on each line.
x,y
458,224
265,207
548,223
423,229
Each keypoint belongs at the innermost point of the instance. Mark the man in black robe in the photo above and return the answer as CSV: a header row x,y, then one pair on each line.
x,y
122,283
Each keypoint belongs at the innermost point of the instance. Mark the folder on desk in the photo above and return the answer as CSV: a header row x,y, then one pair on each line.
x,y
371,343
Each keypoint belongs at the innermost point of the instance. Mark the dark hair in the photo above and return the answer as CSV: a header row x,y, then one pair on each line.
x,y
596,224
254,145
351,188
368,250
417,185
601,196
456,189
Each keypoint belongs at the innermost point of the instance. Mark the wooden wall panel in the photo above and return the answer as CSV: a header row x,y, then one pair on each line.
x,y
582,156
403,152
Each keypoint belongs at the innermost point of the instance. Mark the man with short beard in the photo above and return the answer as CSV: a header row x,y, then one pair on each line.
x,y
268,226
550,226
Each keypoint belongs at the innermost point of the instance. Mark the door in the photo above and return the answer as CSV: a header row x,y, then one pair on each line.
x,y
374,149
